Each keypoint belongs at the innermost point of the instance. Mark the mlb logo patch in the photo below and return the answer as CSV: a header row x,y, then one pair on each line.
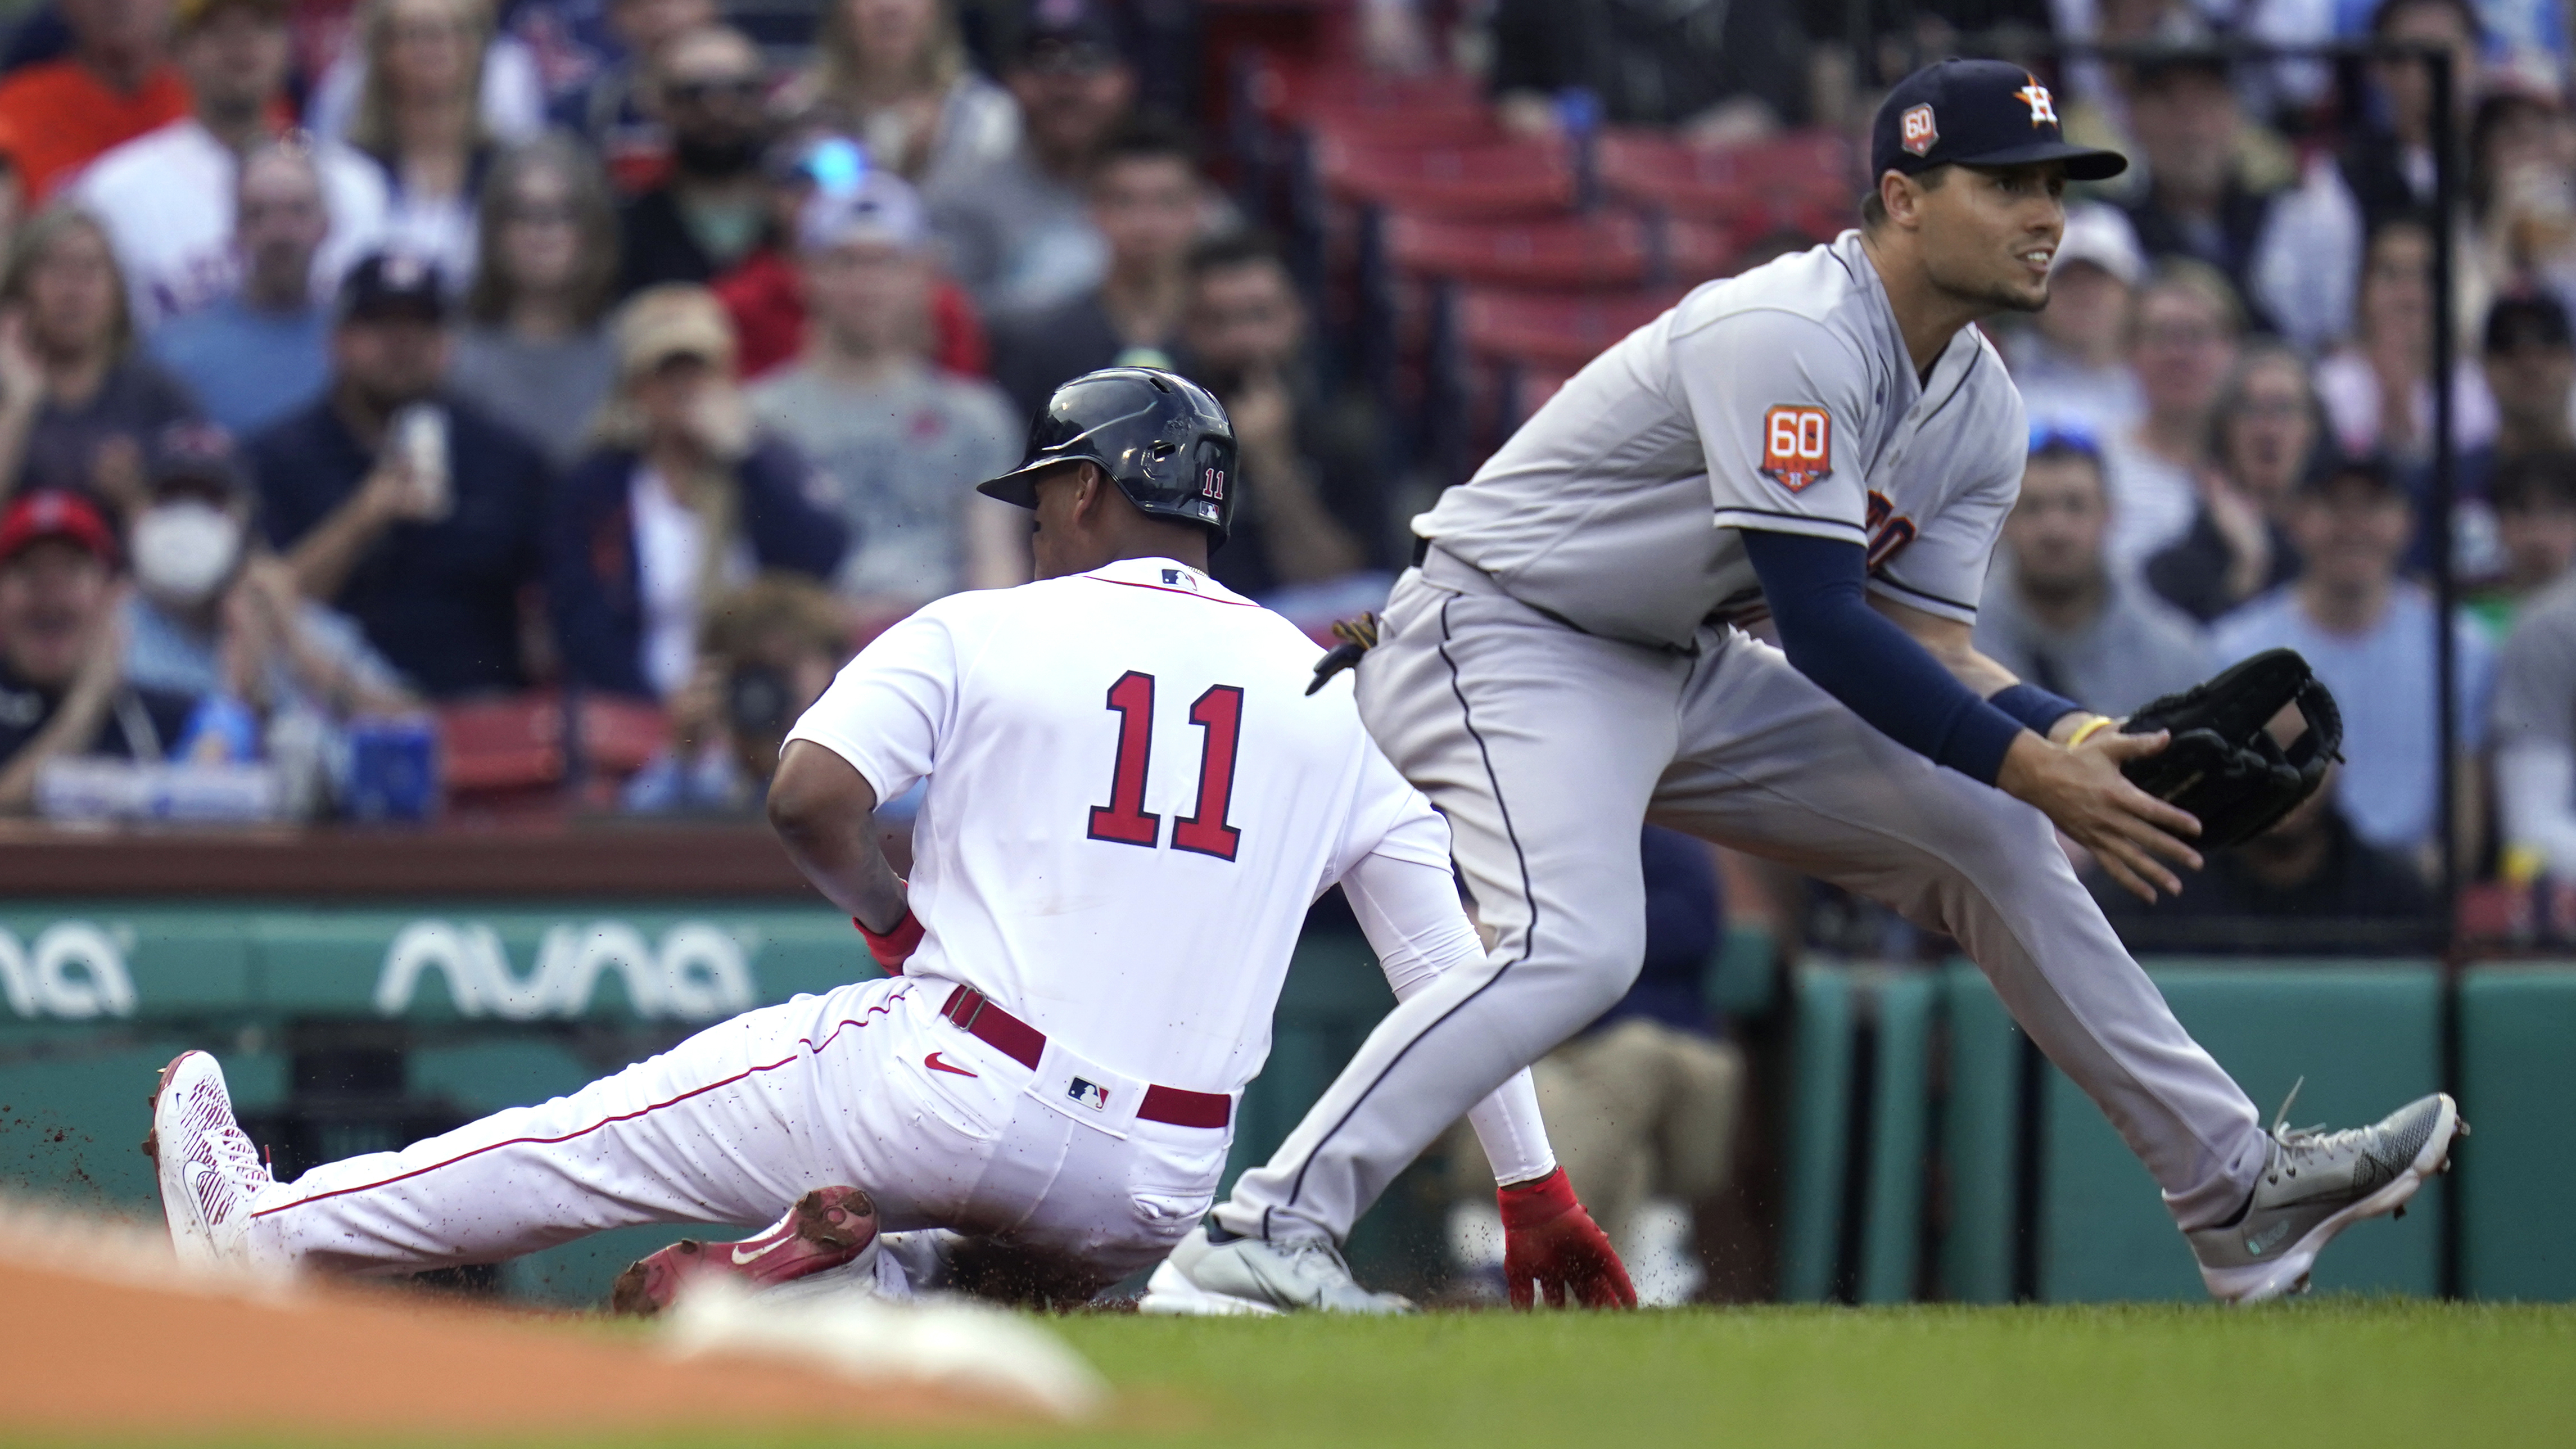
x,y
1089,1094
1917,130
1797,446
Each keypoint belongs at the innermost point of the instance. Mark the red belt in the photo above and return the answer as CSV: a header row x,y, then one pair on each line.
x,y
976,1015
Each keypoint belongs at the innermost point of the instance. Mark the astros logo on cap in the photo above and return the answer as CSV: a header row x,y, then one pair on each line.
x,y
2043,107
1919,133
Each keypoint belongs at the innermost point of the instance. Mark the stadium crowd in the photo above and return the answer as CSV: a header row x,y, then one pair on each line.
x,y
361,363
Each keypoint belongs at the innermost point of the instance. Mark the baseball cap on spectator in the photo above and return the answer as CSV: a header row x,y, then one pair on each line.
x,y
2336,475
51,513
391,285
2533,319
187,15
670,321
199,458
1977,113
881,210
1067,35
2102,236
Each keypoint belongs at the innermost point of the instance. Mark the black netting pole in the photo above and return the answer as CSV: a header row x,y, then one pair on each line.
x,y
2437,65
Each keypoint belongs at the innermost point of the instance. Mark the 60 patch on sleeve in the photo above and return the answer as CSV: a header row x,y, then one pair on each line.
x,y
1797,446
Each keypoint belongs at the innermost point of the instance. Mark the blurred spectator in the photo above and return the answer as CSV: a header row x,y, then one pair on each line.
x,y
2378,389
765,293
1018,230
534,351
63,690
416,119
1310,506
76,399
2534,499
711,212
2265,433
116,84
167,198
2071,362
2369,635
1642,1104
1148,202
682,499
768,651
509,90
2316,883
263,350
2390,172
2535,730
2198,201
2181,346
213,613
1716,70
2057,614
2528,361
893,73
905,443
2522,189
616,110
408,510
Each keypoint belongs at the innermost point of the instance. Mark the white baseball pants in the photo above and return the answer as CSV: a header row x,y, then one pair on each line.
x,y
866,1086
1547,747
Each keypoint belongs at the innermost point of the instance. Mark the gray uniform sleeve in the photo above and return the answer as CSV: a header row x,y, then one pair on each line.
x,y
1777,400
1938,564
2535,681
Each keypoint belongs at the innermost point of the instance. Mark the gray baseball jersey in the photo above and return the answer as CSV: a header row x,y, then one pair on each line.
x,y
1782,399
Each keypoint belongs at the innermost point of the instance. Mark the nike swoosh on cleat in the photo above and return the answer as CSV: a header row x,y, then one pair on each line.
x,y
934,1062
742,1259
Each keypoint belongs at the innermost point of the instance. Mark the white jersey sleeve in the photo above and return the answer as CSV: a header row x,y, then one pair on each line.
x,y
889,711
1939,565
1778,401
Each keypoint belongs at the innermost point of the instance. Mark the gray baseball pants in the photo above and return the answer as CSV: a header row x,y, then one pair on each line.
x,y
1546,747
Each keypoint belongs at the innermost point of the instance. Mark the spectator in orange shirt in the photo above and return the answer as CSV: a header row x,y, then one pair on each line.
x,y
116,84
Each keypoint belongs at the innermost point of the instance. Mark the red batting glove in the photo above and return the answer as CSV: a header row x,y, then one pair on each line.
x,y
894,947
1549,1240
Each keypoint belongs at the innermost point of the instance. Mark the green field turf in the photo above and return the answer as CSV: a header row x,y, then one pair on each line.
x,y
2335,1373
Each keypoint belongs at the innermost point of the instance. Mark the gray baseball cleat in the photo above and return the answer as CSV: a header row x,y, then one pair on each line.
x,y
2317,1184
1257,1276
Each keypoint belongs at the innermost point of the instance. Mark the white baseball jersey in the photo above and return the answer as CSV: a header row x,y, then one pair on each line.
x,y
166,199
1132,803
1782,399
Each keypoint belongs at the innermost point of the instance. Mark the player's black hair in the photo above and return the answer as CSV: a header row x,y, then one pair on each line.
x,y
2530,482
1873,209
1146,136
1242,247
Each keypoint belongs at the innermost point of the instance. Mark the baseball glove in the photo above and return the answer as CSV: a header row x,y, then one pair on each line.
x,y
2222,765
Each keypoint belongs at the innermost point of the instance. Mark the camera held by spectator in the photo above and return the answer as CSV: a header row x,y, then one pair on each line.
x,y
767,652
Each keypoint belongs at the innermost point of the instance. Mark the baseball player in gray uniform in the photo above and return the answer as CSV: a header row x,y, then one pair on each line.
x,y
1829,440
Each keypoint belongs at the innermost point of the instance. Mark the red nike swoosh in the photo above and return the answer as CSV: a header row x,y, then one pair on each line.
x,y
933,1062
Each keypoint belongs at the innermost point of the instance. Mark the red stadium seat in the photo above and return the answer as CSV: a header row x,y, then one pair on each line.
x,y
1598,251
1290,93
1543,330
619,736
1802,182
502,744
1481,179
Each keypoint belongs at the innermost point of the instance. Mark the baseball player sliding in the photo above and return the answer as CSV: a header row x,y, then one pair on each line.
x,y
1132,801
1829,440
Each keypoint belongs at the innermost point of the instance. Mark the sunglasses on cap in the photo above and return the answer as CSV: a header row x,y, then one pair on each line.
x,y
2063,438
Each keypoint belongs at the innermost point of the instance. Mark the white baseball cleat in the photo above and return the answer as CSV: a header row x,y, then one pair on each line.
x,y
208,1167
1255,1276
2314,1186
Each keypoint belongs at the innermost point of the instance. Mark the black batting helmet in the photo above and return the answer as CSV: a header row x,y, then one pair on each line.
x,y
1163,439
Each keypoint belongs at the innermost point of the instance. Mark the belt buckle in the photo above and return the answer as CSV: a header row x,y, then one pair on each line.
x,y
967,1008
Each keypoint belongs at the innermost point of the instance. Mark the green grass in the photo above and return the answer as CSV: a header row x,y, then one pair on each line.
x,y
2336,1373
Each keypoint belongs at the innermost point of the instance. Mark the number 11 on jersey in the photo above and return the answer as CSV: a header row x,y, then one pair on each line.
x,y
1125,820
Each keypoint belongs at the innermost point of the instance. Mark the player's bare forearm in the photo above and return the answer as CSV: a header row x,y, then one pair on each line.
x,y
1948,641
825,814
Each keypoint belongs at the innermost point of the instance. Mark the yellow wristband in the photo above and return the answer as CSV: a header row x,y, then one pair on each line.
x,y
2088,730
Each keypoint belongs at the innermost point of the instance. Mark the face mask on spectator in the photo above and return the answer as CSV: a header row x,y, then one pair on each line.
x,y
184,551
